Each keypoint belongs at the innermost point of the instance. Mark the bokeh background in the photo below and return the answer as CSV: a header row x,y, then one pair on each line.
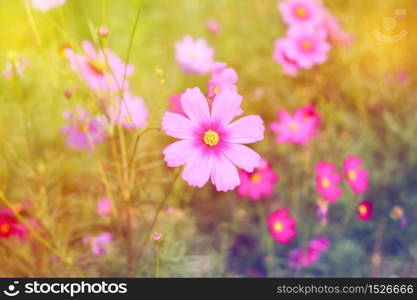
x,y
365,94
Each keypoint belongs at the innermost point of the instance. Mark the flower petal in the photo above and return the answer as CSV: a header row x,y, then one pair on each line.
x,y
224,174
226,105
249,129
198,168
195,105
177,154
178,126
242,156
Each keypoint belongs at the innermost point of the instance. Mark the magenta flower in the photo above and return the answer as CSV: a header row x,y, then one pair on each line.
x,y
104,207
129,111
258,183
301,12
83,132
101,71
357,178
282,55
282,226
307,46
10,225
298,128
210,145
98,243
45,5
303,257
365,210
194,56
327,180
213,26
222,78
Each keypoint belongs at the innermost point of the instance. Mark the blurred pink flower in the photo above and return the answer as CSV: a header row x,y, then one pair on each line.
x,y
258,183
213,26
222,78
83,132
15,65
365,210
128,111
307,46
104,207
322,211
194,56
98,243
357,178
157,237
400,77
175,104
101,71
335,31
45,5
210,145
282,226
301,12
303,257
283,56
10,225
327,180
298,128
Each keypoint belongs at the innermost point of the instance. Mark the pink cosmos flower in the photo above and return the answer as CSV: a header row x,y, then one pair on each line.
x,y
282,55
83,131
357,178
258,183
175,104
129,111
157,237
335,31
282,226
45,5
15,65
104,207
10,225
194,56
301,12
327,180
102,71
210,145
98,243
213,26
307,46
303,257
298,128
222,78
365,210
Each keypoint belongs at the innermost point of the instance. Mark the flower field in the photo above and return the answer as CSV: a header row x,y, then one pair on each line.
x,y
225,138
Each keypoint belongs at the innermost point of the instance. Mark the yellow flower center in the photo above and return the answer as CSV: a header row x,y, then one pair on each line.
x,y
351,175
128,119
216,90
300,12
81,127
307,45
278,227
256,177
211,138
362,209
293,126
4,228
325,182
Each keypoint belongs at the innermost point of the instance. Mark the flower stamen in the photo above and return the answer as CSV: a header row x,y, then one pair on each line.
x,y
211,138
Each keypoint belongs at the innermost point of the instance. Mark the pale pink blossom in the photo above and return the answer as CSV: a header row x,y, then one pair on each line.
x,y
194,56
211,145
45,5
129,111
